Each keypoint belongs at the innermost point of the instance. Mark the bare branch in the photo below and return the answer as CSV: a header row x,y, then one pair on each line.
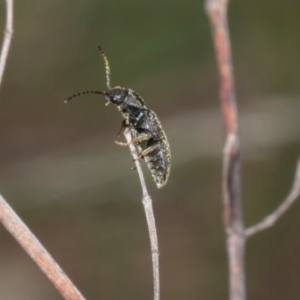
x,y
7,37
147,202
37,252
271,219
231,179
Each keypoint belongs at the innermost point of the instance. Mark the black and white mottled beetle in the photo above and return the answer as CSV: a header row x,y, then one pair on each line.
x,y
147,133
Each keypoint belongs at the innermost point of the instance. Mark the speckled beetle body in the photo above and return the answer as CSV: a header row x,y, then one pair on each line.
x,y
146,130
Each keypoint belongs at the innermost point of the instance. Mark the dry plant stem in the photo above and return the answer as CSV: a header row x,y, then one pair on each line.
x,y
271,219
231,179
147,202
8,32
37,252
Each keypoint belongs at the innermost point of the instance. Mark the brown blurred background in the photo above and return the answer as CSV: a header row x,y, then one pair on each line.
x,y
62,172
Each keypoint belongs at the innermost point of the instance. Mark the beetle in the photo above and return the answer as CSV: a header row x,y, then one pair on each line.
x,y
145,127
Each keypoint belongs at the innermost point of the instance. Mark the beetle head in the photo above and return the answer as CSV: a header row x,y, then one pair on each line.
x,y
117,95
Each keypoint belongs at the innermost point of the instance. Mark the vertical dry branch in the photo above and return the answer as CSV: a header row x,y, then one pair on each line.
x,y
147,202
231,178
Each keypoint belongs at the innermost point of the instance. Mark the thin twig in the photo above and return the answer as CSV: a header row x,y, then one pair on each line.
x,y
231,179
8,32
147,202
271,219
37,252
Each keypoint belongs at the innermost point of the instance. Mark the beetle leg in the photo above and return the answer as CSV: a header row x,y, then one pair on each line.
x,y
146,152
134,140
122,144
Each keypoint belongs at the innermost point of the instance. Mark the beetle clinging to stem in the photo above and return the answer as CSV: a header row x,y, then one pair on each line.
x,y
146,130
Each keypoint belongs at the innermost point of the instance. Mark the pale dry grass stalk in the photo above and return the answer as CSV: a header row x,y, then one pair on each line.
x,y
147,203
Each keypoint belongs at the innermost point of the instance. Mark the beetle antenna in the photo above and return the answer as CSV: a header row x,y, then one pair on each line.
x,y
85,92
107,68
